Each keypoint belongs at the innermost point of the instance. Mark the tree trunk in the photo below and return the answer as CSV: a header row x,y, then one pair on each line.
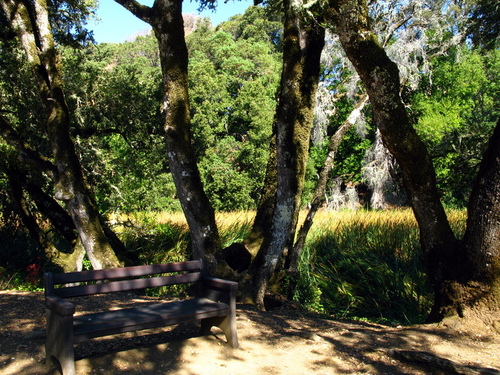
x,y
165,17
67,262
450,266
264,215
302,48
48,207
474,291
33,28
482,237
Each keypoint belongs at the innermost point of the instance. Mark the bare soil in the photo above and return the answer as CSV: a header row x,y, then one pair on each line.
x,y
284,340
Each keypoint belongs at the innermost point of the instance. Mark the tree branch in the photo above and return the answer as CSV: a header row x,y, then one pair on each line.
x,y
25,152
142,12
319,193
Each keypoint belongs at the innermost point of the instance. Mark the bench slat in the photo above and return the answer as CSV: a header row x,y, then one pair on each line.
x,y
119,273
125,285
149,316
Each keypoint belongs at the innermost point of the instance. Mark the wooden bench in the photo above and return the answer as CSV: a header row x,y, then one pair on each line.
x,y
216,305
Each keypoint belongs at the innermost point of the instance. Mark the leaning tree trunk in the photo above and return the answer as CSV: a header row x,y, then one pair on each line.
x,y
293,259
30,21
443,256
165,17
67,262
302,46
47,205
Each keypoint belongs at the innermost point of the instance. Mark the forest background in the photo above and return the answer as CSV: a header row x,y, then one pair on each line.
x,y
364,264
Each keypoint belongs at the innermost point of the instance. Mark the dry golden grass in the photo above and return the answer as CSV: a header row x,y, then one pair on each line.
x,y
225,220
324,219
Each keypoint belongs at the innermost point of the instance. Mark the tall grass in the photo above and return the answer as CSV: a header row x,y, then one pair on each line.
x,y
164,237
355,263
368,264
233,226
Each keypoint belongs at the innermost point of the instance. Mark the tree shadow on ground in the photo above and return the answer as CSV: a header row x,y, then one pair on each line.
x,y
280,341
378,347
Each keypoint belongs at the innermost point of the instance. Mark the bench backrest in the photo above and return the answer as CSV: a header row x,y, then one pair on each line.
x,y
121,279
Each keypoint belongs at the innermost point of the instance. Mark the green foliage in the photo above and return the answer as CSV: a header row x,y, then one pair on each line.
x,y
115,96
484,23
256,24
349,157
68,19
116,91
456,113
370,268
234,73
20,104
227,184
21,260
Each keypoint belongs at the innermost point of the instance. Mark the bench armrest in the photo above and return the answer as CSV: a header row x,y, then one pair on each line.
x,y
59,305
220,290
213,282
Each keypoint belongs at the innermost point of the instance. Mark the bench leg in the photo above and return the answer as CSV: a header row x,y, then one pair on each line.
x,y
59,342
226,323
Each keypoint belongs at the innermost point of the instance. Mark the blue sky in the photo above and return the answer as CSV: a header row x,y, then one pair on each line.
x,y
117,24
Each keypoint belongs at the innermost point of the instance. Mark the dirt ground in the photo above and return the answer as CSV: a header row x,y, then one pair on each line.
x,y
282,341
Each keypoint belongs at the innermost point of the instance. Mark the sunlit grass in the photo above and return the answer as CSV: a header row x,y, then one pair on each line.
x,y
355,264
369,264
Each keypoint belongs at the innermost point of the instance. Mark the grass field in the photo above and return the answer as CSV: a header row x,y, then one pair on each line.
x,y
355,264
364,264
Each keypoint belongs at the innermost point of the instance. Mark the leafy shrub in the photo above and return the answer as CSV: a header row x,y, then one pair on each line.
x,y
157,242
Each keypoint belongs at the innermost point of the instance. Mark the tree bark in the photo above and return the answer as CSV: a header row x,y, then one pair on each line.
x,y
30,21
451,265
482,237
264,215
302,46
165,17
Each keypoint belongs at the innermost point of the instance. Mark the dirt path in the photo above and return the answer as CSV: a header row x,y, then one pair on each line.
x,y
278,342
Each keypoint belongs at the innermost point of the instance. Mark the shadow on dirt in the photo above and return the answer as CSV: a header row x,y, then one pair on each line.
x,y
328,346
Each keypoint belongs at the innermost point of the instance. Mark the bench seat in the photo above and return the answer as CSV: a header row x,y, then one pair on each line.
x,y
215,305
145,317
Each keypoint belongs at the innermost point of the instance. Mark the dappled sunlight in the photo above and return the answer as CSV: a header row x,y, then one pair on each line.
x,y
277,342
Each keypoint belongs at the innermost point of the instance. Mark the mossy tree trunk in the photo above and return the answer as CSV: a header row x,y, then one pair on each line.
x,y
302,46
30,21
451,264
265,208
481,281
165,17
